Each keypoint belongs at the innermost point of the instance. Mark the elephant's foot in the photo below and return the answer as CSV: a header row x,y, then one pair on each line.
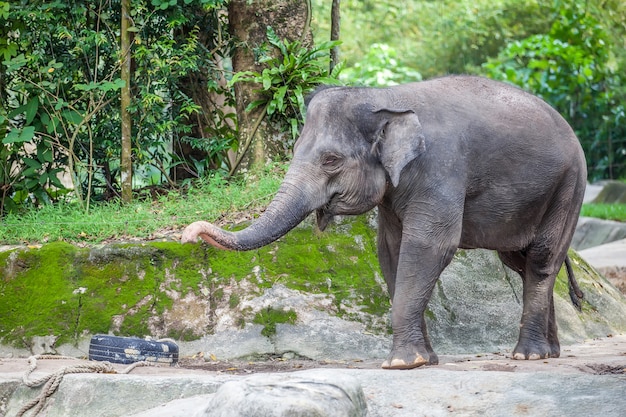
x,y
409,358
534,350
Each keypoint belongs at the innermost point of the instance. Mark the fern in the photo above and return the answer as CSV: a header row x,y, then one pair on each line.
x,y
289,76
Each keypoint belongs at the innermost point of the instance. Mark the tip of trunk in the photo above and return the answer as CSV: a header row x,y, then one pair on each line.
x,y
209,233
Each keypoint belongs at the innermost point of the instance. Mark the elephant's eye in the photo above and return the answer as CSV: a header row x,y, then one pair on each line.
x,y
330,160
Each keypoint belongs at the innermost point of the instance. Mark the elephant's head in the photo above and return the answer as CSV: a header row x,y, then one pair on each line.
x,y
354,141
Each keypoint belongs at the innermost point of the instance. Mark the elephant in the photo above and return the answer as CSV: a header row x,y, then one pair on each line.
x,y
451,162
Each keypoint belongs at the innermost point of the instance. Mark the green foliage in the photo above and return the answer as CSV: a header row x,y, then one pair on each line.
x,y
572,67
291,72
52,93
432,37
468,36
59,105
173,66
379,68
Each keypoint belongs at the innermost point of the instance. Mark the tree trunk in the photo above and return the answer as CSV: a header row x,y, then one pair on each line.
x,y
335,26
126,166
194,85
290,19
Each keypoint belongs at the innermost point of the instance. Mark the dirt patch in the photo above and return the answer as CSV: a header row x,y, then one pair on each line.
x,y
603,369
271,364
617,276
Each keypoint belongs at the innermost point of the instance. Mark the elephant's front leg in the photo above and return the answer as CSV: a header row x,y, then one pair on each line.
x,y
389,239
419,266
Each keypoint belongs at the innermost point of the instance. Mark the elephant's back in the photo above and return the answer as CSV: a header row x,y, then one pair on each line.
x,y
494,138
474,114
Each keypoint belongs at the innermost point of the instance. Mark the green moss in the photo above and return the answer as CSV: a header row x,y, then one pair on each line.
x,y
269,317
341,262
461,254
586,278
42,290
67,291
561,285
233,301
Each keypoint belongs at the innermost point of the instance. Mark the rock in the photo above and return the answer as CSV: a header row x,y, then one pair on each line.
x,y
236,343
592,191
588,379
329,337
112,395
612,192
436,392
610,260
591,232
7,388
183,407
617,276
476,305
313,393
42,345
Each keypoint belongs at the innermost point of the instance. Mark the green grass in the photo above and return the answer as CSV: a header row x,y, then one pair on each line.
x,y
605,211
209,199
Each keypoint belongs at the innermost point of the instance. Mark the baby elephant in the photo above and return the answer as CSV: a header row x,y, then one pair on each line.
x,y
453,162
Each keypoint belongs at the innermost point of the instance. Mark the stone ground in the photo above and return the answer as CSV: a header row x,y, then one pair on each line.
x,y
589,379
603,356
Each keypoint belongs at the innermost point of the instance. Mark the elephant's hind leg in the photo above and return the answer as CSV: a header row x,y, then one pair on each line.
x,y
544,258
538,331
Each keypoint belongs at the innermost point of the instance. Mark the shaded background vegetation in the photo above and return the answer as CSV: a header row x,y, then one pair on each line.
x,y
60,81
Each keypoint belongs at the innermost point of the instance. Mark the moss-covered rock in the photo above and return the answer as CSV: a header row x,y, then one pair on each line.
x,y
165,289
305,287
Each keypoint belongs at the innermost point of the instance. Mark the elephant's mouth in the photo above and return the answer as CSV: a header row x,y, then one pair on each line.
x,y
324,217
337,206
326,213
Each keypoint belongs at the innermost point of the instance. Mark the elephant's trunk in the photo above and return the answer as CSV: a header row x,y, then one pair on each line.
x,y
289,207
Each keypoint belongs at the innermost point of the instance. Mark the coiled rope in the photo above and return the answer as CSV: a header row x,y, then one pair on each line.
x,y
53,380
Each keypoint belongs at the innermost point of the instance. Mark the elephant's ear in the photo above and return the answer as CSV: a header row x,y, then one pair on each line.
x,y
400,139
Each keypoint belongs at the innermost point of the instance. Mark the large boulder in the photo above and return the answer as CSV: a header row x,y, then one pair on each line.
x,y
612,192
591,232
314,393
314,295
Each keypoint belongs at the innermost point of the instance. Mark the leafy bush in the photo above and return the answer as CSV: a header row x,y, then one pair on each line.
x,y
380,67
572,67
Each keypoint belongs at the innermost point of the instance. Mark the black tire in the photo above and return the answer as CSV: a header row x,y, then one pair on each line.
x,y
128,350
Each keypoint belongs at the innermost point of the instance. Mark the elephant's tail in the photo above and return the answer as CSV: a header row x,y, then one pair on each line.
x,y
575,294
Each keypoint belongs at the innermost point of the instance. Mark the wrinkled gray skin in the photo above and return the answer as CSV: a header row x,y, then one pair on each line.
x,y
454,162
